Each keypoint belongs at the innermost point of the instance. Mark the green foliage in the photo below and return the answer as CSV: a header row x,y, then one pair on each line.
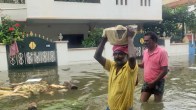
x,y
171,20
10,31
93,38
192,22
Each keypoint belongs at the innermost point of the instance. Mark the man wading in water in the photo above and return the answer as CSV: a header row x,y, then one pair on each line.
x,y
122,73
155,64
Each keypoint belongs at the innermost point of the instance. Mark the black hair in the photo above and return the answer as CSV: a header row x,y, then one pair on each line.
x,y
152,35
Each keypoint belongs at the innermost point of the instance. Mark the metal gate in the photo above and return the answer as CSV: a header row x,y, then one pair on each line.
x,y
33,51
139,44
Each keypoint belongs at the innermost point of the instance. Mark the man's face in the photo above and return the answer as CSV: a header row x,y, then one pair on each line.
x,y
120,58
148,42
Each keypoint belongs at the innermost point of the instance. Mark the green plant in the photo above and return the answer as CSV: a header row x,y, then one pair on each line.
x,y
173,22
10,31
93,38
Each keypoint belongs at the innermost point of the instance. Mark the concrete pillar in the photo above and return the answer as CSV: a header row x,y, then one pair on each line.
x,y
3,58
62,52
167,43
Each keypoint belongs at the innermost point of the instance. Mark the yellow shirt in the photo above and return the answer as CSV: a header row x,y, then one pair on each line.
x,y
121,86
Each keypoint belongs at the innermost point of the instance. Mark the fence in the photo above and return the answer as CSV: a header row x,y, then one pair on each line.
x,y
67,56
33,51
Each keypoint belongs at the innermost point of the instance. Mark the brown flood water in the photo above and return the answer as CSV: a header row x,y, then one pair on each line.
x,y
91,79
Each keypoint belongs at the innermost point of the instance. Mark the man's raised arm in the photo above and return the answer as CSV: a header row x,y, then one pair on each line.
x,y
98,53
131,48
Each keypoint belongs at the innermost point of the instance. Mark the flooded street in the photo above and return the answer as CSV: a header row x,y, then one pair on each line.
x,y
91,80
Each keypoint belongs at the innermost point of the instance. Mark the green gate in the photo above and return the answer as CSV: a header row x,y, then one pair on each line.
x,y
139,44
33,51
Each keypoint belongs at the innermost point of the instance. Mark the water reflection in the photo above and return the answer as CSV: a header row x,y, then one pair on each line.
x,y
48,74
192,60
152,106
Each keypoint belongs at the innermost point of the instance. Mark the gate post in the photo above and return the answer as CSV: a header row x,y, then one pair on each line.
x,y
3,58
167,43
62,52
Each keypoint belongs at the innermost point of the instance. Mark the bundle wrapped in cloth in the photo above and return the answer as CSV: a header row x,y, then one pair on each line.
x,y
116,35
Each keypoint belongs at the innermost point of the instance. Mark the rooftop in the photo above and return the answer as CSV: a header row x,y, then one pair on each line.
x,y
175,3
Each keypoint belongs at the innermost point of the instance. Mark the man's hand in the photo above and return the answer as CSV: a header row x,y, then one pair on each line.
x,y
130,32
141,65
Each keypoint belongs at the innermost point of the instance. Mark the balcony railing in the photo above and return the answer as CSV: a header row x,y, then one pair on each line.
x,y
13,1
84,1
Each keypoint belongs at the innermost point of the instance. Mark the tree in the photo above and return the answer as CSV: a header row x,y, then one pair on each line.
x,y
191,22
93,38
173,22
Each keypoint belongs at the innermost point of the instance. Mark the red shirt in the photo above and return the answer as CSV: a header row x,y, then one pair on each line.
x,y
153,63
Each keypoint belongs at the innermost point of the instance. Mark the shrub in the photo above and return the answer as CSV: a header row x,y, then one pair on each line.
x,y
10,31
93,38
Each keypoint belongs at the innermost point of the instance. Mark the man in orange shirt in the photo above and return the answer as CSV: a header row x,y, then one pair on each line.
x,y
122,73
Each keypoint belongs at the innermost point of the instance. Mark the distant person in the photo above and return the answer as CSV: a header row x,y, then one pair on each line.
x,y
155,64
122,73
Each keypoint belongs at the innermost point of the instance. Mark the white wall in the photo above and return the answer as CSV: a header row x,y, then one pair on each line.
x,y
62,52
174,49
82,55
106,10
79,55
3,58
178,49
17,12
86,55
67,56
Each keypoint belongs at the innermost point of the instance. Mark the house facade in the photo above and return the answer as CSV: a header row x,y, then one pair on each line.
x,y
74,18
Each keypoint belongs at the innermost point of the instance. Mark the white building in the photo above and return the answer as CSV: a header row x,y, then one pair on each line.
x,y
74,19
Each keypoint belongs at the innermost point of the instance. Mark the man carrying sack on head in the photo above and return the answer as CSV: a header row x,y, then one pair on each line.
x,y
122,71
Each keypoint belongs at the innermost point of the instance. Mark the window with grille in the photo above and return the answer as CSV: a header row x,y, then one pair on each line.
x,y
141,2
145,2
121,2
125,2
116,2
